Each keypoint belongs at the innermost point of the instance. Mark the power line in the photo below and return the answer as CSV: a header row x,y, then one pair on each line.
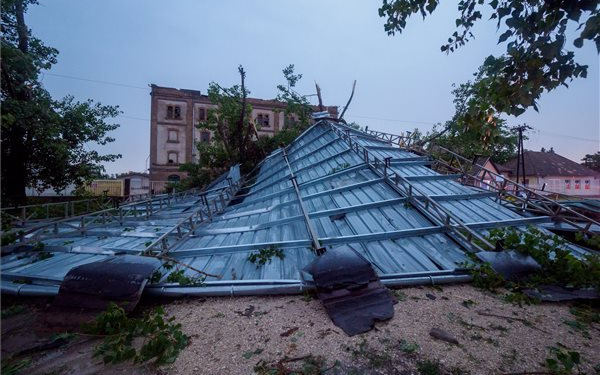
x,y
553,134
134,118
548,133
98,81
392,120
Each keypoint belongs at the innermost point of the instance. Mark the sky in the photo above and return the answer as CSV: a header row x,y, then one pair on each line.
x,y
111,50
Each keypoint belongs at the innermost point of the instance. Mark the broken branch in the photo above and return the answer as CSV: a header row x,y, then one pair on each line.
x,y
163,257
349,100
319,96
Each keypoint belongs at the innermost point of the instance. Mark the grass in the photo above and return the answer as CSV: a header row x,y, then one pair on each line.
x,y
13,310
408,347
429,367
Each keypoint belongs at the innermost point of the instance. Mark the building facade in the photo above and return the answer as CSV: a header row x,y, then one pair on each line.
x,y
552,173
173,134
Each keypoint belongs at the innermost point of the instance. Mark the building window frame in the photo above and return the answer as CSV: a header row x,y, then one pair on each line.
x,y
205,136
173,136
202,114
172,157
173,112
263,120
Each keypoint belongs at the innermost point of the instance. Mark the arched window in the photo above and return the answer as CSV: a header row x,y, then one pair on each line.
x,y
174,178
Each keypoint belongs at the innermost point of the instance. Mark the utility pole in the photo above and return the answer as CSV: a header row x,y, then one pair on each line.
x,y
520,151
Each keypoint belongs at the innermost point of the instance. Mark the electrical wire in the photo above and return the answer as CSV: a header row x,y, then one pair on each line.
x,y
97,81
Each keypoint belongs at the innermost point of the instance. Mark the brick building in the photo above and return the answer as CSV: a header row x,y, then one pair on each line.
x,y
173,134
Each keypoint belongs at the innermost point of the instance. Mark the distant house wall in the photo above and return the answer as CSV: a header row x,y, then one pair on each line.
x,y
138,184
484,179
582,186
569,185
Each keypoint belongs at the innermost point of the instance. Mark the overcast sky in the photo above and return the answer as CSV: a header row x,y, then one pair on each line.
x,y
115,48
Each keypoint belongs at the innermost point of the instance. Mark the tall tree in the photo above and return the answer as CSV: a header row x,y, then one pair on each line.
x,y
592,161
43,139
536,59
494,139
236,138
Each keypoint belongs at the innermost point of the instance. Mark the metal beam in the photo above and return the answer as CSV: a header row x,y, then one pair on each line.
x,y
291,190
458,197
392,235
305,197
509,222
434,177
316,214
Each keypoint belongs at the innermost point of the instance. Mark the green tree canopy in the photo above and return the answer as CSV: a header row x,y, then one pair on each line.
x,y
592,161
44,141
537,58
236,137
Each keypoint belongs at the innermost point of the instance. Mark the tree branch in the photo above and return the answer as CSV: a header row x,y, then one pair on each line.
x,y
319,96
349,100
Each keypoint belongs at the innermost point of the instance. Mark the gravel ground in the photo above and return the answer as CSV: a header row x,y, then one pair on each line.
x,y
278,335
244,335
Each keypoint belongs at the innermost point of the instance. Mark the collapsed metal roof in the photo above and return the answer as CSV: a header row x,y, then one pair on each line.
x,y
354,191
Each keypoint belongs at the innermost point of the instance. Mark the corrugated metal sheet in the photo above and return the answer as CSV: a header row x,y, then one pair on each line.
x,y
350,204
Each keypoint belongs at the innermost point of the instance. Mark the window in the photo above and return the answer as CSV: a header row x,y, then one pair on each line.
x,y
205,136
568,184
587,184
201,114
172,158
174,112
577,184
173,178
262,119
136,183
173,135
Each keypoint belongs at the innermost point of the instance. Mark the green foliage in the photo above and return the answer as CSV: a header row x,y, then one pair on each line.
x,y
8,235
534,34
563,361
535,61
249,354
340,167
265,256
375,358
429,367
45,142
163,340
518,298
492,139
578,326
593,242
15,367
176,276
234,143
408,347
559,265
592,161
400,295
13,310
182,279
298,110
485,277
586,314
310,365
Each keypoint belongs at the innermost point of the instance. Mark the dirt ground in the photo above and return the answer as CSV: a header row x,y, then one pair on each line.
x,y
264,335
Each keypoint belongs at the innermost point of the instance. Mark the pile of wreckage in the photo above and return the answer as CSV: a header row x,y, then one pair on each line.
x,y
342,212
